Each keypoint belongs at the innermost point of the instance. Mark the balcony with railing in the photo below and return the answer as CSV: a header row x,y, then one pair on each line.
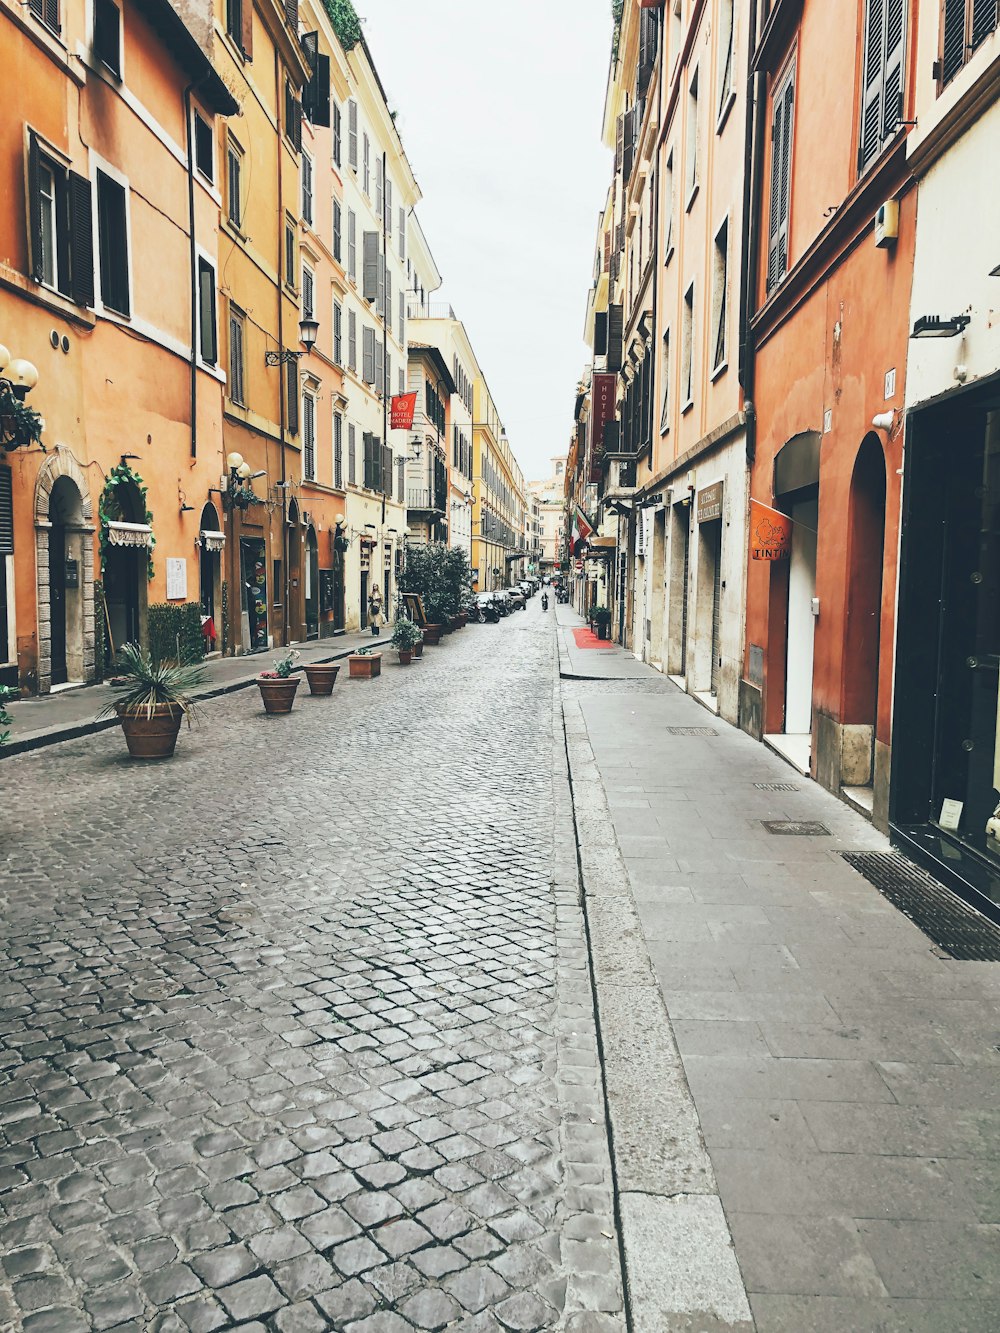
x,y
433,498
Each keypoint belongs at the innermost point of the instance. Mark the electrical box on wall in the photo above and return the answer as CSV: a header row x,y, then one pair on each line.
x,y
887,224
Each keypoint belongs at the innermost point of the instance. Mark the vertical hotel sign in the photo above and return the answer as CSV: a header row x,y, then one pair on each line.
x,y
604,400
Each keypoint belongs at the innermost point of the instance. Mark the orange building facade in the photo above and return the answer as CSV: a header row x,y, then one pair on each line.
x,y
835,228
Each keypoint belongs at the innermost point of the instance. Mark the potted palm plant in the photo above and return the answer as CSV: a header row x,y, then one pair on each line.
x,y
277,687
151,698
322,676
405,637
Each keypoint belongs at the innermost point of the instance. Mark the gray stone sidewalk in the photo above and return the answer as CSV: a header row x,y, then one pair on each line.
x,y
846,1077
609,662
67,714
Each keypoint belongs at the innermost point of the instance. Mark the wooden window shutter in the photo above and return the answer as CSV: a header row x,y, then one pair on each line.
x,y
352,340
601,333
370,284
616,327
402,233
352,465
246,27
953,42
388,205
368,355
352,134
781,152
892,85
786,174
873,81
292,14
337,229
984,19
387,471
292,395
36,259
6,512
620,142
82,239
367,440
379,377
380,302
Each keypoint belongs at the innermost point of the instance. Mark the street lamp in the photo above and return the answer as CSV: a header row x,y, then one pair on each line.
x,y
308,331
19,424
237,492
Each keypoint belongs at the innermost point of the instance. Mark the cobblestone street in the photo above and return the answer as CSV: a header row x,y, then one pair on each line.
x,y
297,1030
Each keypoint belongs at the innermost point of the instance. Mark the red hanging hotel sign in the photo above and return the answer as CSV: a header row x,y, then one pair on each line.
x,y
401,414
604,400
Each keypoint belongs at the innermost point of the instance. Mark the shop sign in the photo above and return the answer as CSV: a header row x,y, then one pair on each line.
x,y
604,400
710,502
401,412
770,533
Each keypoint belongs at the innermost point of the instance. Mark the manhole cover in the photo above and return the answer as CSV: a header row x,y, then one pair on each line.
x,y
954,926
796,828
692,731
776,786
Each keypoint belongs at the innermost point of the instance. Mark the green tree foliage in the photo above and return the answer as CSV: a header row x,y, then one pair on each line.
x,y
346,23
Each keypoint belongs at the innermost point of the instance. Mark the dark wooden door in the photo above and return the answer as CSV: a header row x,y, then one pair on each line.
x,y
57,602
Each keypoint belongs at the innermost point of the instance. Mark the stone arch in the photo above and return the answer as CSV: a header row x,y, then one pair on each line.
x,y
865,561
64,513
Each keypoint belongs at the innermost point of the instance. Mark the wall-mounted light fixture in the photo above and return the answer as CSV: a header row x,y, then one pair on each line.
x,y
933,326
308,330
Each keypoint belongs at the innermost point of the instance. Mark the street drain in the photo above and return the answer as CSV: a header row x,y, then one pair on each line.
x,y
796,828
776,786
691,731
944,918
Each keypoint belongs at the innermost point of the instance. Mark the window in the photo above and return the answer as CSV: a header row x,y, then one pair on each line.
x,y
308,292
338,451
966,25
352,467
292,395
291,248
307,188
720,280
402,382
665,373
882,77
47,11
277,586
207,334
204,147
61,228
112,236
108,36
337,228
338,333
727,39
691,155
782,112
402,318
379,209
293,118
352,340
234,20
337,126
352,134
237,365
687,364
388,206
308,436
368,354
367,167
352,244
234,170
402,233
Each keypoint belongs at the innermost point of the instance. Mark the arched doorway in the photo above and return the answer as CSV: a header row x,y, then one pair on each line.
x,y
311,584
64,560
211,542
123,567
293,538
866,541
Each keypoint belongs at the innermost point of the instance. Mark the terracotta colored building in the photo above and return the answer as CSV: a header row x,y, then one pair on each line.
x,y
833,265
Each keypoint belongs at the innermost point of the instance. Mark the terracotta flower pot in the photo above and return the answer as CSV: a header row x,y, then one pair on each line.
x,y
152,736
456,622
322,676
365,666
405,656
278,694
432,634
418,649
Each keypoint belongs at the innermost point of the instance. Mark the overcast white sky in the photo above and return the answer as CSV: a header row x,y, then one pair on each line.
x,y
500,105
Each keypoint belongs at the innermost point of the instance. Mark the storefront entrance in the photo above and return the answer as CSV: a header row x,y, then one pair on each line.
x,y
253,567
311,589
946,734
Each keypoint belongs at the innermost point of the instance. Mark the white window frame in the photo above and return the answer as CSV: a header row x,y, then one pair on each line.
x,y
213,264
95,62
308,170
209,122
234,149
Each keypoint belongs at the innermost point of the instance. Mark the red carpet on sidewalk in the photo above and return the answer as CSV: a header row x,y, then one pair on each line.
x,y
586,638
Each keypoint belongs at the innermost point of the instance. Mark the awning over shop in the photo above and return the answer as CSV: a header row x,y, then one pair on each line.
x,y
602,544
130,534
211,541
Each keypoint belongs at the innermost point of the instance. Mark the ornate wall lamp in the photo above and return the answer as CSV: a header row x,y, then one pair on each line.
x,y
20,425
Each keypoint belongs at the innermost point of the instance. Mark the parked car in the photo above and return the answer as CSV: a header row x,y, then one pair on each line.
x,y
527,587
516,598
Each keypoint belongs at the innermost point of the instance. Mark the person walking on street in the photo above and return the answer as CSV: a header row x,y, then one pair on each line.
x,y
375,610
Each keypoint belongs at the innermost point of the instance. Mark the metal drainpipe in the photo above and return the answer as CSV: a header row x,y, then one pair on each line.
x,y
188,119
282,368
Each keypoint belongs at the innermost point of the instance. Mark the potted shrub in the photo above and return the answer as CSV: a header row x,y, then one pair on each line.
x,y
277,687
600,618
152,696
322,676
405,636
365,664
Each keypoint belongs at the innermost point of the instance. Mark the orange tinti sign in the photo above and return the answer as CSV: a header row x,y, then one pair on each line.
x,y
770,533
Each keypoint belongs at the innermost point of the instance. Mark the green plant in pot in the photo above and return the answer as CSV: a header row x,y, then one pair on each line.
x,y
405,637
600,618
277,687
151,699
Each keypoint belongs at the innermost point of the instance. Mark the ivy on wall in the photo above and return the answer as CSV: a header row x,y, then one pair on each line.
x,y
109,508
346,23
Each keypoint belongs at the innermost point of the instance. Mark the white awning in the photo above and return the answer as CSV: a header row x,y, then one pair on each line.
x,y
130,534
211,541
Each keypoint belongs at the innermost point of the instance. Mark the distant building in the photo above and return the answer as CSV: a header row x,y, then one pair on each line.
x,y
550,497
